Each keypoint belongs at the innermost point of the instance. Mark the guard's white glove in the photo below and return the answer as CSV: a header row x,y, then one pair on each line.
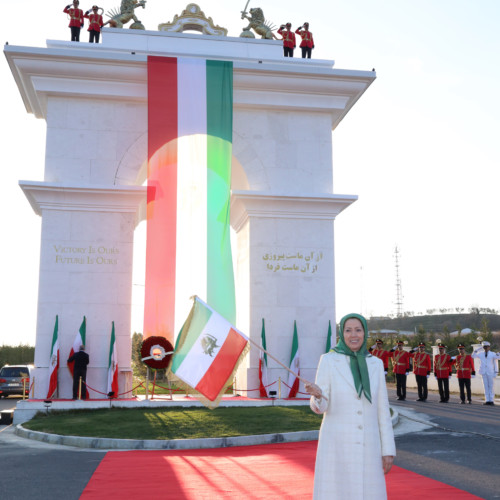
x,y
428,376
453,358
407,373
472,376
374,346
385,372
449,378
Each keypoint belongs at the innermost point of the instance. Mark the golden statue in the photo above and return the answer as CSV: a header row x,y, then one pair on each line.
x,y
125,14
193,19
258,23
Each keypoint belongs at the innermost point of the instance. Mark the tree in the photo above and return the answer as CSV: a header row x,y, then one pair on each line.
x,y
17,355
138,367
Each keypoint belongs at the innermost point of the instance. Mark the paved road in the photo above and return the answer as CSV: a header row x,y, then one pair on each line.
x,y
453,443
461,448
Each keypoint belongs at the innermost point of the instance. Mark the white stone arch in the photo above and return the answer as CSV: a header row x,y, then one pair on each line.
x,y
282,200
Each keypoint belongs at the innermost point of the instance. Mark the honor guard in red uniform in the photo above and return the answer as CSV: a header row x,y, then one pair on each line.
x,y
379,352
442,371
307,43
401,367
95,24
465,371
288,39
75,20
422,368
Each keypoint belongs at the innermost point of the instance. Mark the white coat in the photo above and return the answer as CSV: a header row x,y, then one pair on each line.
x,y
354,434
488,364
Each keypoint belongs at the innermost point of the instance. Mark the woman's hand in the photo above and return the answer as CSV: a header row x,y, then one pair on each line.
x,y
314,390
387,462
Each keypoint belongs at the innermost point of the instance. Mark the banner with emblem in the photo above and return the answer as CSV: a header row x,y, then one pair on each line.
x,y
54,362
112,386
207,352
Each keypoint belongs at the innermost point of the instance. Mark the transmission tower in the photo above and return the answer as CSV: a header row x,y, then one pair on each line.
x,y
399,293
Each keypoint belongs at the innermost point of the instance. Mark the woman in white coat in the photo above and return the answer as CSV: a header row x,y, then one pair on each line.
x,y
356,442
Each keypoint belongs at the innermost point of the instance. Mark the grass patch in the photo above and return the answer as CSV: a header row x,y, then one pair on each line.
x,y
176,422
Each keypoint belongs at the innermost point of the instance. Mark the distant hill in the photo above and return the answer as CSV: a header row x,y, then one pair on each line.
x,y
436,322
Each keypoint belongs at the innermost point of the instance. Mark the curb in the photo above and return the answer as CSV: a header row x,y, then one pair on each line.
x,y
171,444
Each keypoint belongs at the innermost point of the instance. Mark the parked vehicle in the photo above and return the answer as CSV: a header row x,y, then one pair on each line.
x,y
14,379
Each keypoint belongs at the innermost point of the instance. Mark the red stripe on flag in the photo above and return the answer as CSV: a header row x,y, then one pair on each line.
x,y
159,301
223,365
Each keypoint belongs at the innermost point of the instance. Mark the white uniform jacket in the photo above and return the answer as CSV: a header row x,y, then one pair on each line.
x,y
488,364
354,434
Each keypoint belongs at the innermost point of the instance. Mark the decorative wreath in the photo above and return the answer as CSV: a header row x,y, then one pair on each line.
x,y
156,352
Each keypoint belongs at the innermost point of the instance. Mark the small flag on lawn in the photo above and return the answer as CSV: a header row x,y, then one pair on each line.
x,y
293,381
79,340
54,362
329,337
112,365
263,364
207,352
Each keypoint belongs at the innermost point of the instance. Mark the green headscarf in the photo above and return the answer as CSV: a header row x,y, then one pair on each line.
x,y
358,359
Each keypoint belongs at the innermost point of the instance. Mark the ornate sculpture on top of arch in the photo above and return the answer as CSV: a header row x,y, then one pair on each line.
x,y
193,18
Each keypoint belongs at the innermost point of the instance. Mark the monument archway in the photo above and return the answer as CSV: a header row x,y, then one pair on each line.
x,y
283,204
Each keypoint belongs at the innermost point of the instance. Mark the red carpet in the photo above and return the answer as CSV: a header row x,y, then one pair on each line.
x,y
284,471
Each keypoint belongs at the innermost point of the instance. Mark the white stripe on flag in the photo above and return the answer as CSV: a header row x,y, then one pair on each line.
x,y
196,363
191,265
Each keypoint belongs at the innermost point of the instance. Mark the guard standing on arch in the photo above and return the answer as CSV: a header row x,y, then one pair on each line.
x,y
75,20
289,43
307,43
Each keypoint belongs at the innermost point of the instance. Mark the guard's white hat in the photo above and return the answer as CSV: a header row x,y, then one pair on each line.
x,y
486,343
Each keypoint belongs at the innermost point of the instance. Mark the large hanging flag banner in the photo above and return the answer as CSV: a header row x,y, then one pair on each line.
x,y
112,365
188,251
263,364
207,352
293,379
79,340
54,362
329,337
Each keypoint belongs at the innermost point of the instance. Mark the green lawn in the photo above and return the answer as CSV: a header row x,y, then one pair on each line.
x,y
176,422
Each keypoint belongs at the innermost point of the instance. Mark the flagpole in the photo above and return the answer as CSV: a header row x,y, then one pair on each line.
x,y
281,364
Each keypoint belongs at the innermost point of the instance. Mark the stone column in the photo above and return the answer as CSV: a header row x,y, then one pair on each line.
x,y
85,270
284,272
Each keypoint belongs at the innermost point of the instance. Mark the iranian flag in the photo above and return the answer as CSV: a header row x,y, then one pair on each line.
x,y
293,381
329,337
54,362
188,251
263,364
79,340
207,352
112,365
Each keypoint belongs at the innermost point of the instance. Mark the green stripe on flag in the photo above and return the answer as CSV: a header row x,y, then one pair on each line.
x,y
220,278
199,320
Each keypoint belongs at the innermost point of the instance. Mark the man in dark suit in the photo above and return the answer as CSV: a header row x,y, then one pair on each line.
x,y
81,359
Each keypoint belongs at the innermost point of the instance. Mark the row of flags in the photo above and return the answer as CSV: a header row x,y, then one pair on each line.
x,y
294,366
207,352
112,383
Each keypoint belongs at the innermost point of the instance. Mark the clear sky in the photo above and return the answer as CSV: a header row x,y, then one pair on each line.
x,y
421,148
